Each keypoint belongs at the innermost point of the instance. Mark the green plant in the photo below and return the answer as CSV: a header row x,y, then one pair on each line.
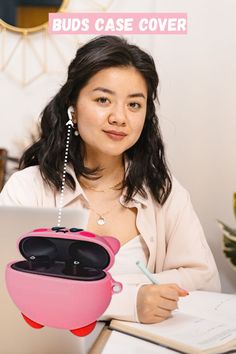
x,y
229,238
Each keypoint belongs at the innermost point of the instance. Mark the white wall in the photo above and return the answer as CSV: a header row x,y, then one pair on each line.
x,y
197,113
197,74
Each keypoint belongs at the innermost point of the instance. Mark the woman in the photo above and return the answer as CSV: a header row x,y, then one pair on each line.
x,y
118,173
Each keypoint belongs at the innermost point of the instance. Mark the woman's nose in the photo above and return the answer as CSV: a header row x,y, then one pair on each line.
x,y
118,116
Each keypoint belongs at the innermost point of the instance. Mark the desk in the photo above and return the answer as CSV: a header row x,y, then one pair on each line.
x,y
110,341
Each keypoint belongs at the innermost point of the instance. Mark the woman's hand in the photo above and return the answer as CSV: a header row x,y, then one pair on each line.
x,y
156,302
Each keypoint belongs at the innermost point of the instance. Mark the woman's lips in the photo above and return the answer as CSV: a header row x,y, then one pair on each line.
x,y
115,135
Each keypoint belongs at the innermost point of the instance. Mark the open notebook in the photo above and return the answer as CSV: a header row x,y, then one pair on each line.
x,y
204,323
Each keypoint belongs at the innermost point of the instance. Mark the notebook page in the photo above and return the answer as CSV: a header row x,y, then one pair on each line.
x,y
210,305
186,329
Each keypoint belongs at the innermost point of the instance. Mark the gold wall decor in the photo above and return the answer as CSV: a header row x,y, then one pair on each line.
x,y
17,45
25,51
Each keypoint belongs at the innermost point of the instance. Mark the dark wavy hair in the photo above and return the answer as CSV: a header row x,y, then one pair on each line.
x,y
146,158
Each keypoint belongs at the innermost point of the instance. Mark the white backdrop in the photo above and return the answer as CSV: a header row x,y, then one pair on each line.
x,y
197,111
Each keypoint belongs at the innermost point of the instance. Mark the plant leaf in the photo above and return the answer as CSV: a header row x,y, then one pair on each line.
x,y
229,238
230,249
227,230
234,204
229,242
231,255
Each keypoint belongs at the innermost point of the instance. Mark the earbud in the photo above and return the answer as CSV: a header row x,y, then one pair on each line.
x,y
70,111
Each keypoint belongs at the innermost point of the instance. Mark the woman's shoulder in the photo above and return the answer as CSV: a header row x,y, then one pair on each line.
x,y
23,187
178,189
178,203
177,198
179,195
31,170
29,175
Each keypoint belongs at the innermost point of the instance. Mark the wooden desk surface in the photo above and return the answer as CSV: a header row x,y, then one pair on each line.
x,y
101,340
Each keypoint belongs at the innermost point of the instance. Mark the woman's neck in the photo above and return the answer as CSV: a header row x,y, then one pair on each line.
x,y
112,171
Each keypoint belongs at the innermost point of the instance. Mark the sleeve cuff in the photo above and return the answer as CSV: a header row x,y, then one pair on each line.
x,y
123,305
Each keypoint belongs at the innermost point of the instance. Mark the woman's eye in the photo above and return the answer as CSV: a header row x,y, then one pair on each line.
x,y
102,99
135,105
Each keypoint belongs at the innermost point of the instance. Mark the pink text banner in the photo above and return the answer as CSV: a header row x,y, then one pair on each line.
x,y
117,23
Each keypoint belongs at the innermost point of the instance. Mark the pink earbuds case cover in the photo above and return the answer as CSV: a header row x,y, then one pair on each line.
x,y
63,280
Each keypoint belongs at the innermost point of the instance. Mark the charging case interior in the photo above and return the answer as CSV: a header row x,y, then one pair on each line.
x,y
63,258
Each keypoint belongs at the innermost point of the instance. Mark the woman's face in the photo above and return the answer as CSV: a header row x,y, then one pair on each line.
x,y
110,110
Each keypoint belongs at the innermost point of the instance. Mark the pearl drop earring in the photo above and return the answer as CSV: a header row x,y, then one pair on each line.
x,y
76,130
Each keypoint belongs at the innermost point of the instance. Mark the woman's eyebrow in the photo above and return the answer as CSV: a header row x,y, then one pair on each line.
x,y
106,90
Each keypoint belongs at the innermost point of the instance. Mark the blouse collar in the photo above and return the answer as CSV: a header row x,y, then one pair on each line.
x,y
70,195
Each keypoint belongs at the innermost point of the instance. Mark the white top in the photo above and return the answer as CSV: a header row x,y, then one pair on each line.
x,y
132,251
